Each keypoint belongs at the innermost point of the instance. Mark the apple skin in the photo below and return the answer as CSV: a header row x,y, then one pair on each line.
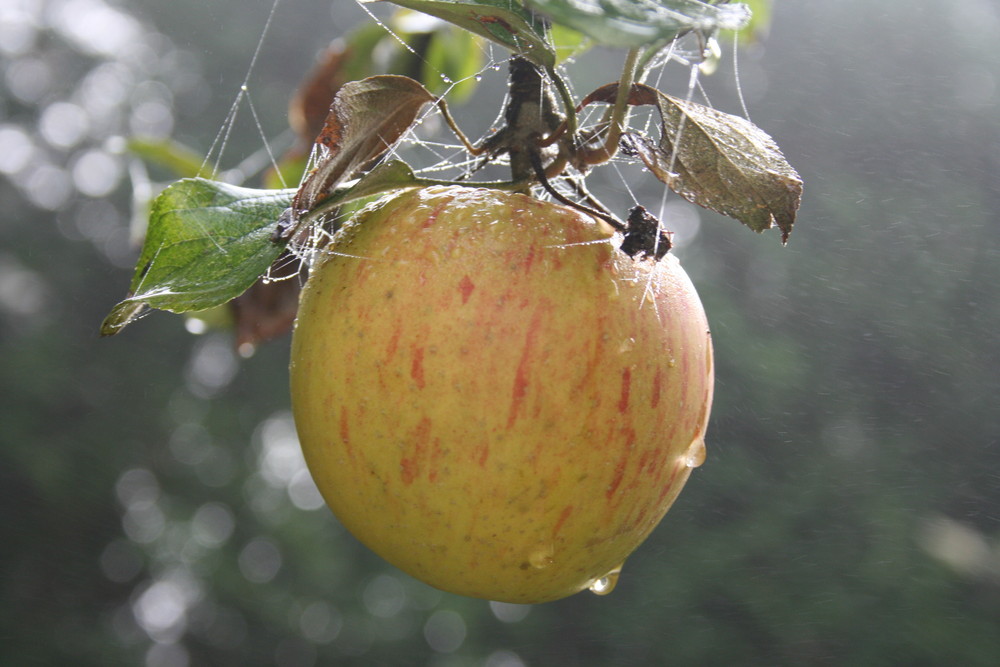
x,y
492,397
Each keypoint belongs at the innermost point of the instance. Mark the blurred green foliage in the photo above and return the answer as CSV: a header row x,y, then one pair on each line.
x,y
154,509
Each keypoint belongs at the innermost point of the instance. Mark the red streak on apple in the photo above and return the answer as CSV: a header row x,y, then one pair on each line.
x,y
626,388
417,367
520,387
654,395
410,465
562,519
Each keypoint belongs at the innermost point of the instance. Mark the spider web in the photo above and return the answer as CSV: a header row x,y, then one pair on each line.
x,y
434,152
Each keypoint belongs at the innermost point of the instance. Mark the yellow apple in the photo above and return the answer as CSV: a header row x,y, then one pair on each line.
x,y
492,396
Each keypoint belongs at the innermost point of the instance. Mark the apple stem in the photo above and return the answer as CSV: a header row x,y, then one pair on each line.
x,y
569,125
539,169
616,118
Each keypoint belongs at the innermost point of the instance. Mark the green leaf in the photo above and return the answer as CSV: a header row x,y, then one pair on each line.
x,y
760,20
716,160
207,243
505,22
453,58
639,23
182,161
568,43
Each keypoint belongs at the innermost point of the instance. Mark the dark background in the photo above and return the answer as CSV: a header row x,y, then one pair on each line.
x,y
153,506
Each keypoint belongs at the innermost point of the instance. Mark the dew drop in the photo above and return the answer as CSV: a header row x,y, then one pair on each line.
x,y
541,558
479,77
446,78
695,454
604,585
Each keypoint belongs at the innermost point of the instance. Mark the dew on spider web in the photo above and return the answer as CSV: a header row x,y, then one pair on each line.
x,y
382,24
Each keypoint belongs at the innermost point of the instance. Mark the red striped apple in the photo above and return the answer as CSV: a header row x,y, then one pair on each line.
x,y
492,396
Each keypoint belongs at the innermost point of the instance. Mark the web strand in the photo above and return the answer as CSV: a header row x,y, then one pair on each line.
x,y
736,76
218,146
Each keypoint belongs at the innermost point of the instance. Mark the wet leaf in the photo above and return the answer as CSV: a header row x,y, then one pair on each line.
x,y
207,243
639,23
366,118
502,21
722,162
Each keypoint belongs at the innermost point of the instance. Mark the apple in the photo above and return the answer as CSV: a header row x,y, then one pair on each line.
x,y
492,396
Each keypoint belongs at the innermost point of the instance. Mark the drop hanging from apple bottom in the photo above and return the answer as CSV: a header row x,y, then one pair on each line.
x,y
604,585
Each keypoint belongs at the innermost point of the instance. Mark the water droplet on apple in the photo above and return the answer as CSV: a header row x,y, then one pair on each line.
x,y
695,454
626,345
541,558
606,584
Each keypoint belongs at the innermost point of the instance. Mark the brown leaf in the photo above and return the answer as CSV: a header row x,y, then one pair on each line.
x,y
309,107
366,118
307,111
720,161
267,310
